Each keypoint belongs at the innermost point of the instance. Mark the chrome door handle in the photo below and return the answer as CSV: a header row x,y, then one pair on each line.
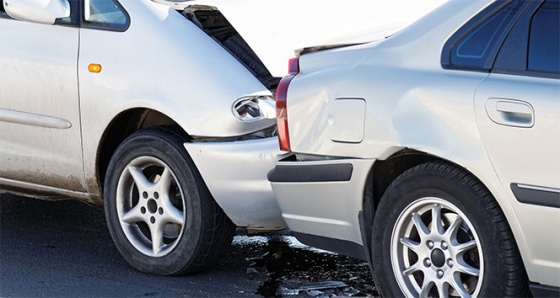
x,y
510,112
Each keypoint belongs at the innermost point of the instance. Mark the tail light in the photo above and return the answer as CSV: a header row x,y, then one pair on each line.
x,y
281,104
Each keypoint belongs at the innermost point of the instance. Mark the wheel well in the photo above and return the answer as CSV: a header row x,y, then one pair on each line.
x,y
383,173
386,171
125,124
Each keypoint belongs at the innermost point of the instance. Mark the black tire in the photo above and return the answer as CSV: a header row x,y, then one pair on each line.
x,y
159,211
443,190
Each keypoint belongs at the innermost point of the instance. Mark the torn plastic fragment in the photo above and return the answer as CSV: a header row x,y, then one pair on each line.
x,y
283,291
323,285
312,289
350,292
314,293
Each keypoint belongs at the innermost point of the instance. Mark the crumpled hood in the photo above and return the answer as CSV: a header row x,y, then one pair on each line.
x,y
276,28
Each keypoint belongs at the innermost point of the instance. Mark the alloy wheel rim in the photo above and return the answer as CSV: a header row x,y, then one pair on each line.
x,y
150,206
436,251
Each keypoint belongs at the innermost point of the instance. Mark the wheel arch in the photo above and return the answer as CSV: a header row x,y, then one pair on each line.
x,y
382,174
477,192
122,126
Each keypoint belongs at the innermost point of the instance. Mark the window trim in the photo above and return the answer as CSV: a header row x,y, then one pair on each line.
x,y
74,15
472,24
99,26
530,36
519,55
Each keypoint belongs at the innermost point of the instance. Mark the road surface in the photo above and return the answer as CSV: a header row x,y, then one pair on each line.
x,y
63,249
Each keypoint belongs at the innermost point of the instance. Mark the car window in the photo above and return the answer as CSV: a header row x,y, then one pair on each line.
x,y
105,14
544,41
474,46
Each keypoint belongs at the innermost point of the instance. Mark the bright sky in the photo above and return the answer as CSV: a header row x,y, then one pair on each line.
x,y
275,28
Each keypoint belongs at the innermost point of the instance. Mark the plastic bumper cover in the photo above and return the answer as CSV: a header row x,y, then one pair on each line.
x,y
235,173
322,198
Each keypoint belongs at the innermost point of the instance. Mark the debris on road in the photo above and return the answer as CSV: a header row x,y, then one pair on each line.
x,y
284,267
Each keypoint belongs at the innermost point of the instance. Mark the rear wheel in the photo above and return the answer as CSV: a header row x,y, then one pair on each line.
x,y
159,212
439,233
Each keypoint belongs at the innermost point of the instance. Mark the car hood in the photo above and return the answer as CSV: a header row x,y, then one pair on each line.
x,y
274,29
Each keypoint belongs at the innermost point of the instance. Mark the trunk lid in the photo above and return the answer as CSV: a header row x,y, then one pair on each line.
x,y
274,29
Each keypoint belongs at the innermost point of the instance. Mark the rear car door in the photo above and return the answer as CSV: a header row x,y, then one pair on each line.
x,y
40,135
518,111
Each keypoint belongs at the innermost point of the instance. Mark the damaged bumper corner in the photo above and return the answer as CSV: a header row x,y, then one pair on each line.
x,y
236,175
322,198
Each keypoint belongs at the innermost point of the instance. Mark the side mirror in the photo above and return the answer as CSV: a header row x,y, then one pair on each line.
x,y
37,11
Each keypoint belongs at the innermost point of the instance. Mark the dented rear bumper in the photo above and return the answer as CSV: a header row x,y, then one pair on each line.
x,y
236,175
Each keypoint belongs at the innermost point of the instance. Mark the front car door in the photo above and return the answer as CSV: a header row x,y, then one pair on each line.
x,y
40,134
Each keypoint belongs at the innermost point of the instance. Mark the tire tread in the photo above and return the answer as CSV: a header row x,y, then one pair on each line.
x,y
516,281
217,230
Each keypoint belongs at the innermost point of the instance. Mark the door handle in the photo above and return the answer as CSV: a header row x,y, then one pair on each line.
x,y
510,112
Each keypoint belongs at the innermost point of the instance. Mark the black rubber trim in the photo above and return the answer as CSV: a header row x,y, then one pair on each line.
x,y
544,291
311,173
366,238
343,247
535,196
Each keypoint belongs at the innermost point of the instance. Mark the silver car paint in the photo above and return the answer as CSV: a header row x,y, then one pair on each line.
x,y
323,208
46,14
242,165
175,69
438,105
523,155
35,145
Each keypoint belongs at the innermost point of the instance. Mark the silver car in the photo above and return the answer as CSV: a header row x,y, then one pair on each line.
x,y
156,109
434,153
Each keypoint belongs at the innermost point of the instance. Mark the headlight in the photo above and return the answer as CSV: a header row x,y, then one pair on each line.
x,y
254,108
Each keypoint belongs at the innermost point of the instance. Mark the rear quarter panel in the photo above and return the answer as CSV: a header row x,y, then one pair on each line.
x,y
411,102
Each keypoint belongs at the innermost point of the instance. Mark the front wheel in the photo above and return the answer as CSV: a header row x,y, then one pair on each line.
x,y
160,214
439,233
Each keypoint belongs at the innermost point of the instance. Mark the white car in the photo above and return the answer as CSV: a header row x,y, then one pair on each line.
x,y
162,110
434,153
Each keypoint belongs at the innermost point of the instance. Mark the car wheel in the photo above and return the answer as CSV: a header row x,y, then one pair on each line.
x,y
438,232
160,214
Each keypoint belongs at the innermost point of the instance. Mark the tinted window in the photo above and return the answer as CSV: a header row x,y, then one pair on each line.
x,y
474,46
107,14
544,46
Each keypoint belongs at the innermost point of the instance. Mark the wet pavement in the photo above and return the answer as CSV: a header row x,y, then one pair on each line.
x,y
286,268
63,249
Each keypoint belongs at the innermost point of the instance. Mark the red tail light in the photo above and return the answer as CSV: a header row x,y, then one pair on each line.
x,y
281,104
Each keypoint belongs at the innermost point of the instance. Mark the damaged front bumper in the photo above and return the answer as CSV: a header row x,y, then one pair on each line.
x,y
235,173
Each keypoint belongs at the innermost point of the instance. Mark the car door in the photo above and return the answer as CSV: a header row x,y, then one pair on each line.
x,y
40,135
518,110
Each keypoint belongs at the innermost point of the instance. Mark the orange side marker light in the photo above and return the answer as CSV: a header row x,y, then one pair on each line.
x,y
94,67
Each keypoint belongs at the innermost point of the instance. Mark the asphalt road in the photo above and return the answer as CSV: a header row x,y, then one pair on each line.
x,y
63,249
